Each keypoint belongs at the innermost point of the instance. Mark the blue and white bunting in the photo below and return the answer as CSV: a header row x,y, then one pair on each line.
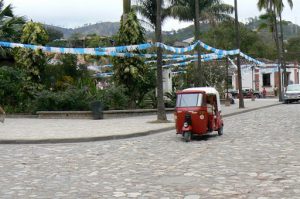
x,y
124,51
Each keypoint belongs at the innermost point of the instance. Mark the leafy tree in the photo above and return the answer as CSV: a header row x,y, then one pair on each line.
x,y
54,34
76,40
16,90
34,33
223,37
132,72
293,49
33,61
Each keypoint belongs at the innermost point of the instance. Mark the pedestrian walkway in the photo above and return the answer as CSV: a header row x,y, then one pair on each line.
x,y
25,130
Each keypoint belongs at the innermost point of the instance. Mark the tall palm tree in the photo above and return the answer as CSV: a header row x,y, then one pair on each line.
x,y
155,16
238,43
280,7
274,9
148,9
161,112
10,26
200,10
126,9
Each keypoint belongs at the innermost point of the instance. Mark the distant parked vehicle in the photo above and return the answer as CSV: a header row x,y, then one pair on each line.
x,y
246,93
292,93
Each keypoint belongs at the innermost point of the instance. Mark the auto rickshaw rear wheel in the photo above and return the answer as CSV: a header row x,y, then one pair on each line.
x,y
220,131
187,136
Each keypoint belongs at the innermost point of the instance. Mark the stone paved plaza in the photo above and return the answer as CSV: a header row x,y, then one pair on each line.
x,y
257,157
25,129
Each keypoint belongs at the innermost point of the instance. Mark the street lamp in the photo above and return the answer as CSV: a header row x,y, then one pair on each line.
x,y
238,45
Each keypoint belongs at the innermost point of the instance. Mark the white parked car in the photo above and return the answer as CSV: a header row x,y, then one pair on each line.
x,y
292,93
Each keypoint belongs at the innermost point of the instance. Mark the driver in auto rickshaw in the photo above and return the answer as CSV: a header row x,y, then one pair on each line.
x,y
211,110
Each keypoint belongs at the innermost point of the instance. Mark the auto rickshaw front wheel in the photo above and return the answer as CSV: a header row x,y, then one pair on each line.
x,y
187,136
220,131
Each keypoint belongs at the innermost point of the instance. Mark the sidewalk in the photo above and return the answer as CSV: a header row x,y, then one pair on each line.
x,y
29,131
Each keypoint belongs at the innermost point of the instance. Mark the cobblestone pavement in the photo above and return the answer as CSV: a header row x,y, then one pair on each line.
x,y
257,157
60,129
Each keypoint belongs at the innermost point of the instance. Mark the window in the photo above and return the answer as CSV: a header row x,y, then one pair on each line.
x,y
288,78
293,87
189,100
229,81
266,79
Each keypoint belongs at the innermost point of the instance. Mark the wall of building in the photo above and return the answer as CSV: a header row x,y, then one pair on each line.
x,y
167,81
254,79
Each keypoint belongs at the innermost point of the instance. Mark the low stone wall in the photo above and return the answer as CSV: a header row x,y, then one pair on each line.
x,y
65,114
89,114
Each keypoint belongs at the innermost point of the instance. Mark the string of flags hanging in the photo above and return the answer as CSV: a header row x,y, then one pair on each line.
x,y
124,51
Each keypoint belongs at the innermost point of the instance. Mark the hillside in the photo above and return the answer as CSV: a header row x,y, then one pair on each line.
x,y
103,29
289,29
110,28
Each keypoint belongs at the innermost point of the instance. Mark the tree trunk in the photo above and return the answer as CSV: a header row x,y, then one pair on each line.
x,y
161,112
278,54
238,45
199,81
283,64
126,9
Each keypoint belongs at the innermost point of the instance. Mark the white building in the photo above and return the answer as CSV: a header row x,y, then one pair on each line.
x,y
167,81
265,77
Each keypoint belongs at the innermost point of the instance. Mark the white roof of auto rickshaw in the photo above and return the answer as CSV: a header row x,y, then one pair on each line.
x,y
207,90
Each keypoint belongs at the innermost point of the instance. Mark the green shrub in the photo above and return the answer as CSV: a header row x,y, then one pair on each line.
x,y
113,98
17,91
69,100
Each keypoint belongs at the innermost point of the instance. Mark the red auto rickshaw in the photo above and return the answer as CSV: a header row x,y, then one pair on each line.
x,y
198,112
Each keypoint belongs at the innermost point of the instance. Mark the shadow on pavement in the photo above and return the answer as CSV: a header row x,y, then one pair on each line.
x,y
205,137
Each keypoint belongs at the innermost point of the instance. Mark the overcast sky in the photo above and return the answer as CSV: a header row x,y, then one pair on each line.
x,y
74,13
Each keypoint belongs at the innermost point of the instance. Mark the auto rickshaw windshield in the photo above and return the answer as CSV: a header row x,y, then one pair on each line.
x,y
189,100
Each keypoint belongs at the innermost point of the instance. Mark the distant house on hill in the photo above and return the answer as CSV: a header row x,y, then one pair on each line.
x,y
184,43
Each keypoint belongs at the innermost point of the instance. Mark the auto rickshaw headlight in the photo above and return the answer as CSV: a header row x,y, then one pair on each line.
x,y
201,117
185,125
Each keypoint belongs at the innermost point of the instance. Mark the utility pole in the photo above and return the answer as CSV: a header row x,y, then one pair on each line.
x,y
238,45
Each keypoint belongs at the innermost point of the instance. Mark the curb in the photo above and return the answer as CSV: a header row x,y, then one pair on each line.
x,y
86,139
114,137
249,110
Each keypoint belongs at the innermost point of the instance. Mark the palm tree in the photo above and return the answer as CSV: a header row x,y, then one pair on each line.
x,y
274,8
280,7
238,43
161,113
10,26
155,16
126,9
147,8
200,10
